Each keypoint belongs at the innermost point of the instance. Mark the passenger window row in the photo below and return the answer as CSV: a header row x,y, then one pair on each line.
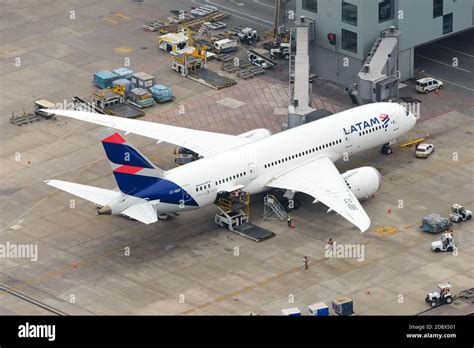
x,y
304,153
230,178
202,187
370,130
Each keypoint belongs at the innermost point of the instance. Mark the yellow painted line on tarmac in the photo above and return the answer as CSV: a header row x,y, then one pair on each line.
x,y
382,232
123,49
280,276
78,265
386,230
121,15
204,305
294,270
248,288
110,20
235,293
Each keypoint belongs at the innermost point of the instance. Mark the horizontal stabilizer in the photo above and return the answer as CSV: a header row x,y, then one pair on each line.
x,y
92,194
143,212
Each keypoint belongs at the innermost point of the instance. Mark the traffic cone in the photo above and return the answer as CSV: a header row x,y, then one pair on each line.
x,y
389,210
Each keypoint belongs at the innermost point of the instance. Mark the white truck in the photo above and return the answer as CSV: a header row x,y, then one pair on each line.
x,y
225,46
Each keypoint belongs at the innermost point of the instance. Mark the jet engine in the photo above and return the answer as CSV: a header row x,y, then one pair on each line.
x,y
256,134
363,181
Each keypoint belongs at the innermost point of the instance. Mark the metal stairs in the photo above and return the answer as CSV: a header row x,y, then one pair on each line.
x,y
273,209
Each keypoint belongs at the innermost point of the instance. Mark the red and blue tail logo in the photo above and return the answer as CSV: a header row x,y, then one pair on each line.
x,y
137,176
384,118
119,152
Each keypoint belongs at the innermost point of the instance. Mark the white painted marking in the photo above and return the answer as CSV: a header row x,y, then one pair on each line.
x,y
231,103
237,3
234,10
437,61
452,49
452,83
264,4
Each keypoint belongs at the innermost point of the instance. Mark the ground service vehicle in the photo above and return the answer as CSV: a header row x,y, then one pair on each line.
x,y
424,150
428,84
459,213
441,296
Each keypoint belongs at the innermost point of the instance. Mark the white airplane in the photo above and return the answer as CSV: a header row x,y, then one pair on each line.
x,y
297,160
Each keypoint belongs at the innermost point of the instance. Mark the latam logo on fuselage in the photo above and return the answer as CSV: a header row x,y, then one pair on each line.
x,y
382,119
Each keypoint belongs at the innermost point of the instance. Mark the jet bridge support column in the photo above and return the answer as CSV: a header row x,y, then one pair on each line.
x,y
300,96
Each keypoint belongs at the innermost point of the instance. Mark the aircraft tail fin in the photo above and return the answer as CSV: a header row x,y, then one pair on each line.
x,y
132,170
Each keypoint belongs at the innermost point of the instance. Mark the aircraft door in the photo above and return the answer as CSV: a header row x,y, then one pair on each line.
x,y
252,170
186,197
394,122
348,140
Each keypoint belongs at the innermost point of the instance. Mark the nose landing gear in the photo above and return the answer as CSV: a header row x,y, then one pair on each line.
x,y
386,149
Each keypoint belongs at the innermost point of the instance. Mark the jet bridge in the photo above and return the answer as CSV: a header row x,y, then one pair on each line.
x,y
379,77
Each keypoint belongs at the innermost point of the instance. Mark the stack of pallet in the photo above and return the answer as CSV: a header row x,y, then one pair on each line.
x,y
173,23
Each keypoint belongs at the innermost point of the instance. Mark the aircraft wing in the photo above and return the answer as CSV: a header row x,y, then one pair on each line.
x,y
202,142
92,194
321,179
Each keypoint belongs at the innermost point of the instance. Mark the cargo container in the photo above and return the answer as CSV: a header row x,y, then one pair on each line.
x,y
104,79
141,98
143,80
161,93
343,306
123,73
292,312
318,309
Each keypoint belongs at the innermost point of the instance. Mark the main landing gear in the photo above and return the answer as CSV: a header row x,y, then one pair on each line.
x,y
386,149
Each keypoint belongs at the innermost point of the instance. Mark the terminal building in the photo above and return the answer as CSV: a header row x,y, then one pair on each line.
x,y
369,45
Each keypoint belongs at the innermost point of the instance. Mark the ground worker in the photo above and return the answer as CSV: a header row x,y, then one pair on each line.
x,y
290,220
305,262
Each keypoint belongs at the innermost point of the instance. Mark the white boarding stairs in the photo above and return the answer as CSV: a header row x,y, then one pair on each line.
x,y
273,209
201,30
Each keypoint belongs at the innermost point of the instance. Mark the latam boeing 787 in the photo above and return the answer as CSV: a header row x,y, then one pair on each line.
x,y
297,160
